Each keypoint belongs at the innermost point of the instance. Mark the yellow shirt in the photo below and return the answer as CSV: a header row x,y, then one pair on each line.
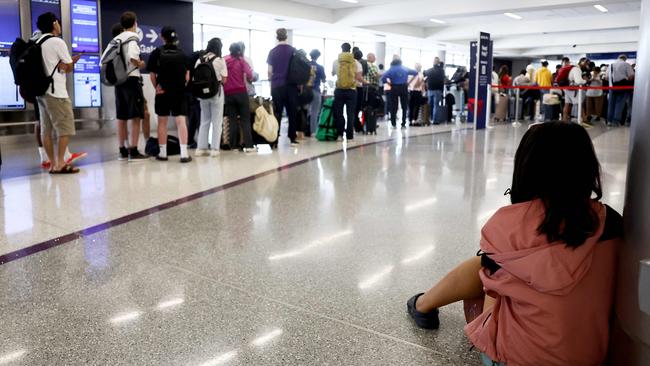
x,y
543,77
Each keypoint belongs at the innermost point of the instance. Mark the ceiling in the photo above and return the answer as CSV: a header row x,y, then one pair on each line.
x,y
550,27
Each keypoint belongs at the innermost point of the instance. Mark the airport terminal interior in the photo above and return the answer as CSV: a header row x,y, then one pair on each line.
x,y
344,182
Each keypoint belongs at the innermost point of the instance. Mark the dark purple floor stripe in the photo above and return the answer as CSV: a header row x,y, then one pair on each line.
x,y
9,257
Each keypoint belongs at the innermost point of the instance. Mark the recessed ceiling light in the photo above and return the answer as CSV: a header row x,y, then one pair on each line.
x,y
601,8
513,16
350,1
434,20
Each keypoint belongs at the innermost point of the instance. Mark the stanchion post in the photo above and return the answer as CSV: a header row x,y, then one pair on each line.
x,y
579,105
488,109
516,119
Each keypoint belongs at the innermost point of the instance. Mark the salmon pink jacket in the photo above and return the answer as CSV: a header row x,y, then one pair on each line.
x,y
553,303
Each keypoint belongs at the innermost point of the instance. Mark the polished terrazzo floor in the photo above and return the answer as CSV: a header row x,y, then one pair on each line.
x,y
306,265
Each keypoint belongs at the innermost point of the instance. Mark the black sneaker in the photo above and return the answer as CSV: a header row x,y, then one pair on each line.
x,y
423,320
186,160
294,143
161,158
124,154
135,156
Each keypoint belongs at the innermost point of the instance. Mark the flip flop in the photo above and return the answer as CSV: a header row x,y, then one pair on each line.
x,y
67,169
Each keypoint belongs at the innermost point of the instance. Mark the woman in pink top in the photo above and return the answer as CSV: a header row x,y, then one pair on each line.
x,y
545,271
237,97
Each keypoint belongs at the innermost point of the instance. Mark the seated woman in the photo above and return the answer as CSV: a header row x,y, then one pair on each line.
x,y
547,262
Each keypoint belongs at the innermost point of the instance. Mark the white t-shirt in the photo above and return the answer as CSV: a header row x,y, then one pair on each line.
x,y
55,50
131,50
219,65
575,76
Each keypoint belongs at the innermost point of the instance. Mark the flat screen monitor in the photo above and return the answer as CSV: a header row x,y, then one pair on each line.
x,y
9,23
39,7
85,30
87,85
9,95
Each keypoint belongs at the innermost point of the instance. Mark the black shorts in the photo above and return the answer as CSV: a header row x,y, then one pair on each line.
x,y
174,104
129,99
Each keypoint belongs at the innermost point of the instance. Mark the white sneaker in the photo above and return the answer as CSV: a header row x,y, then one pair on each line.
x,y
214,153
250,150
201,152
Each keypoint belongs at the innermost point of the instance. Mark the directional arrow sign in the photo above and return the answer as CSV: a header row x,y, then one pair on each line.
x,y
152,35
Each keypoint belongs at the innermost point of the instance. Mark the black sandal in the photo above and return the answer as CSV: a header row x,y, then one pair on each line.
x,y
67,169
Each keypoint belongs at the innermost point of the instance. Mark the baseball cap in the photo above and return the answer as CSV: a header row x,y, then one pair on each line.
x,y
169,33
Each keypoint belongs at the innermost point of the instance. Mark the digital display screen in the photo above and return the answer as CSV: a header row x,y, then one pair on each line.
x,y
85,32
9,95
44,6
9,23
87,85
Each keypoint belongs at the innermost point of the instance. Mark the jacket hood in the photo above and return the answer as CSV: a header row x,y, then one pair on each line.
x,y
511,239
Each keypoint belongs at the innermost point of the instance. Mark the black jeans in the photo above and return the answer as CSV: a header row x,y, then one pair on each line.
x,y
347,98
398,93
237,105
415,101
286,97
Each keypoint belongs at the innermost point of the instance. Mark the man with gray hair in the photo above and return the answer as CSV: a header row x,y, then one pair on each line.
x,y
619,73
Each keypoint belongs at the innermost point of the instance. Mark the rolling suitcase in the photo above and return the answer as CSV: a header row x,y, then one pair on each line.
x,y
442,114
501,110
425,115
370,120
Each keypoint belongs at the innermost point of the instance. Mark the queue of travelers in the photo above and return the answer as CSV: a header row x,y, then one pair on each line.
x,y
614,106
218,109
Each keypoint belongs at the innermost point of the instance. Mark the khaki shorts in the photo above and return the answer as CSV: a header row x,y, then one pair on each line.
x,y
56,114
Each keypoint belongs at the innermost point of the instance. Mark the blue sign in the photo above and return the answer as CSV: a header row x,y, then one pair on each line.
x,y
39,7
610,55
149,39
9,23
84,23
87,85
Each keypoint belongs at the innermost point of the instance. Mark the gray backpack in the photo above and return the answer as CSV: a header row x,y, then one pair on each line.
x,y
115,68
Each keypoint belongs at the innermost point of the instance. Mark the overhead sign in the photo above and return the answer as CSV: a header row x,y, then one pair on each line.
x,y
85,32
149,39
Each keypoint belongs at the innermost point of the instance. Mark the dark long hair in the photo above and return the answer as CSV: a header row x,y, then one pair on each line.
x,y
556,163
235,50
214,46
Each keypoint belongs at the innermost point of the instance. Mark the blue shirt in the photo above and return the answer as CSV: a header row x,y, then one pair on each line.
x,y
398,75
320,75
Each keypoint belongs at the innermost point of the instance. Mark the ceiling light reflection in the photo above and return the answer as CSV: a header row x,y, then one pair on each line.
x,y
601,8
220,359
421,204
376,277
419,255
125,317
260,341
313,244
513,16
170,303
6,358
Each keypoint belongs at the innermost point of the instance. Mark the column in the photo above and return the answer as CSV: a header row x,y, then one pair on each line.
x,y
380,52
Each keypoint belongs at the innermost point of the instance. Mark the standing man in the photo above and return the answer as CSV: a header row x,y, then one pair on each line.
x,y
285,95
55,107
319,78
169,75
372,78
129,98
571,97
397,77
349,73
435,86
619,73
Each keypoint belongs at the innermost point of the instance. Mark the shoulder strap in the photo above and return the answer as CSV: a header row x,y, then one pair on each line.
x,y
43,39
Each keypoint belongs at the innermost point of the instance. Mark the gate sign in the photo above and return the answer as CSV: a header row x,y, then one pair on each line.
x,y
481,75
149,39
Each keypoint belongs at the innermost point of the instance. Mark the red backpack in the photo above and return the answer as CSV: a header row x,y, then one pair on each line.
x,y
562,77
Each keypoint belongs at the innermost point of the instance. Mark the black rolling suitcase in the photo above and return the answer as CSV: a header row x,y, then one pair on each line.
x,y
370,120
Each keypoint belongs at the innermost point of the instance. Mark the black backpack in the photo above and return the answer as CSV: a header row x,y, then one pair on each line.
x,y
172,66
26,59
205,83
299,69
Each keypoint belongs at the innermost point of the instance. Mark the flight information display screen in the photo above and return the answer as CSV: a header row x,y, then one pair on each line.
x,y
9,23
44,6
85,30
9,95
87,84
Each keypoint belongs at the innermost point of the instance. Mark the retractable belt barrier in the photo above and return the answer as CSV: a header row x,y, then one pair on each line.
x,y
578,88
